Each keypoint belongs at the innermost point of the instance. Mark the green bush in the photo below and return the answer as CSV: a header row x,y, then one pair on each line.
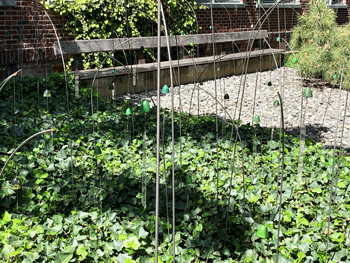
x,y
102,19
320,45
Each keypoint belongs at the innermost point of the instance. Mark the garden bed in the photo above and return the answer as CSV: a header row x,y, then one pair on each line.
x,y
59,216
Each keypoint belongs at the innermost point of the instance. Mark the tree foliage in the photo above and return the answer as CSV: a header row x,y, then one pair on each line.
x,y
321,45
101,19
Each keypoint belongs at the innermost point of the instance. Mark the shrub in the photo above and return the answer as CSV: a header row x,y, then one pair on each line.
x,y
321,45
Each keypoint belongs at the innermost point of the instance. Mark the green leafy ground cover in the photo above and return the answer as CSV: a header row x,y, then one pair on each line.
x,y
58,218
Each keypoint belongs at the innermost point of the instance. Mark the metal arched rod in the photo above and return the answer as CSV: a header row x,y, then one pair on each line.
x,y
19,146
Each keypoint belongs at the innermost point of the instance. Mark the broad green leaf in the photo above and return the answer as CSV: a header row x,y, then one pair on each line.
x,y
7,250
63,257
133,243
337,237
6,217
81,251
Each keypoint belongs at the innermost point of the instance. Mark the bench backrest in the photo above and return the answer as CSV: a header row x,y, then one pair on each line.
x,y
135,43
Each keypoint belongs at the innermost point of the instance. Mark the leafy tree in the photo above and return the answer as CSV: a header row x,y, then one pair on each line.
x,y
321,45
101,19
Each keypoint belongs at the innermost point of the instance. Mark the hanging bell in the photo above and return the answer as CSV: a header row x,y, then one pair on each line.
x,y
113,71
142,48
335,77
269,84
182,32
47,94
295,60
262,232
218,69
330,161
201,83
24,160
6,32
144,106
226,97
111,86
189,180
191,44
165,89
16,184
278,39
307,93
97,150
128,111
256,119
276,103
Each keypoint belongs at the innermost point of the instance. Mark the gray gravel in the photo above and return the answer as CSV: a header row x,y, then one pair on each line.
x,y
324,112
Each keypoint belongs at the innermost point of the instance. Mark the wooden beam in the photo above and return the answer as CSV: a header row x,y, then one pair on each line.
x,y
135,43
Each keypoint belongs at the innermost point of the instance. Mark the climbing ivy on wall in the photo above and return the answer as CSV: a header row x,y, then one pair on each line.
x,y
101,19
320,45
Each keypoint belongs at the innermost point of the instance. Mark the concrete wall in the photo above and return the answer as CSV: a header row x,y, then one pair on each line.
x,y
126,83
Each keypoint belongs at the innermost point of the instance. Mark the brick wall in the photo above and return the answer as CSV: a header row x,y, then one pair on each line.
x,y
27,37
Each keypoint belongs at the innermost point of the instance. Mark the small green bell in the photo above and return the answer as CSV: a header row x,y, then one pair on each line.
x,y
218,69
170,35
77,62
335,77
226,97
295,60
145,106
258,2
189,180
278,39
276,103
210,27
128,111
97,150
269,84
165,89
262,232
307,93
256,119
47,94
6,32
24,160
182,32
330,161
113,71
201,83
16,184
191,44
111,86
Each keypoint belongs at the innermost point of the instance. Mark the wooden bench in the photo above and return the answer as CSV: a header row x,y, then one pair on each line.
x,y
138,44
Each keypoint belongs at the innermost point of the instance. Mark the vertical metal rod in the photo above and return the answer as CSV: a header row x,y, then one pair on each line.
x,y
333,172
281,184
158,130
216,105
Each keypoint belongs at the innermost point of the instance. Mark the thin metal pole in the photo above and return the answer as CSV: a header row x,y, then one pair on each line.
x,y
158,129
281,183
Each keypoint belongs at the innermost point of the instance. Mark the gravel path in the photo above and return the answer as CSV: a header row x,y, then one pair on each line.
x,y
322,110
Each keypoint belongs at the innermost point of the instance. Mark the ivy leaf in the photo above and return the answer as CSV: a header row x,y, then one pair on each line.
x,y
337,237
7,217
81,251
304,247
7,250
133,243
63,257
140,232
